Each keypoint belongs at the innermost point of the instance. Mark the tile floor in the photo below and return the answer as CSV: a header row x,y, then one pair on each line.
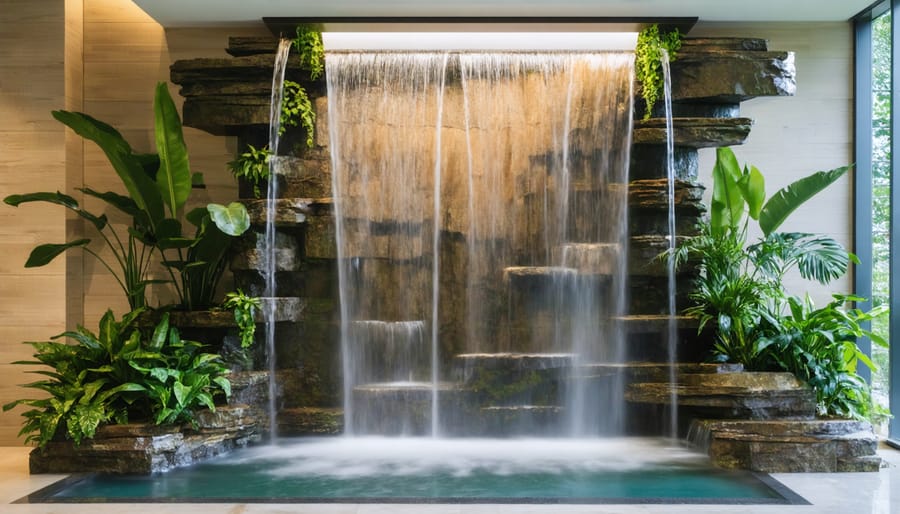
x,y
838,493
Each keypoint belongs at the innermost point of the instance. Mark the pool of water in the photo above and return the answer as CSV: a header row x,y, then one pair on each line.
x,y
438,470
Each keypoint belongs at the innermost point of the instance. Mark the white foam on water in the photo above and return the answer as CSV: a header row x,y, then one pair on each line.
x,y
384,456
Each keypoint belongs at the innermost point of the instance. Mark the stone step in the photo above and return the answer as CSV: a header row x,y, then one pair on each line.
x,y
400,408
289,212
297,177
730,76
787,446
588,258
508,379
648,207
693,132
650,372
745,395
302,421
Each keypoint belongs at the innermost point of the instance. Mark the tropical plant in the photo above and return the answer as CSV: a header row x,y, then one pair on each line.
x,y
308,43
819,347
740,286
740,291
116,375
648,63
158,186
252,166
244,308
296,108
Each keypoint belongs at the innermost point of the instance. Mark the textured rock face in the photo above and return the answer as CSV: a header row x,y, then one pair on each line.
x,y
789,446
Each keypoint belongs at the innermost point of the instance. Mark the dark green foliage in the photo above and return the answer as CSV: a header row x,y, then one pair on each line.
x,y
116,375
308,43
740,291
253,165
296,108
648,67
244,308
158,187
819,347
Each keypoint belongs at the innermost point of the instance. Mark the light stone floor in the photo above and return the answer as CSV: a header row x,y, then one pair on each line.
x,y
838,493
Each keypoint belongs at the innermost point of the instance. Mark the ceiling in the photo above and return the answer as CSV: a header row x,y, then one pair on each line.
x,y
182,13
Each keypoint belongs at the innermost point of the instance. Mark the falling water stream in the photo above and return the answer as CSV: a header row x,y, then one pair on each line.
x,y
672,324
284,47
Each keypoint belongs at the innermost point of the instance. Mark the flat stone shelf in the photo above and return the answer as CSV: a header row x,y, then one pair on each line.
x,y
653,194
512,361
694,132
289,212
785,446
654,324
148,448
644,256
282,309
653,372
588,258
745,395
714,75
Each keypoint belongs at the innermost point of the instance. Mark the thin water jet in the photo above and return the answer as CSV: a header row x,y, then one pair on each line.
x,y
672,323
281,56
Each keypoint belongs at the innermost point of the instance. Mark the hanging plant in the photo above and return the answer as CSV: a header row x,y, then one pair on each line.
x,y
648,66
308,44
297,109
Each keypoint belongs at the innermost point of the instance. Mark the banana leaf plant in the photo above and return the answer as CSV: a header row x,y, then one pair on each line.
x,y
740,288
158,186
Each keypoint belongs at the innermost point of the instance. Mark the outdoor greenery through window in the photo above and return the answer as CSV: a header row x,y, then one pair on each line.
x,y
881,194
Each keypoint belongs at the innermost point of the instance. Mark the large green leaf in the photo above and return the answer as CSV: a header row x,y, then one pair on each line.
x,y
59,199
45,253
125,163
232,220
727,204
174,176
120,202
753,189
788,199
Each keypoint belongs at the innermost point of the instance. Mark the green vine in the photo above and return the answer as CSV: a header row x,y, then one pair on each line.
x,y
252,166
308,44
648,68
296,108
243,307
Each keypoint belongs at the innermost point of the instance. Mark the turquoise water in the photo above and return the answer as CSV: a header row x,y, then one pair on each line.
x,y
384,469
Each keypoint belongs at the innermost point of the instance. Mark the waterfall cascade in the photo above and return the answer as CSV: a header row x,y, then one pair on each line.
x,y
483,196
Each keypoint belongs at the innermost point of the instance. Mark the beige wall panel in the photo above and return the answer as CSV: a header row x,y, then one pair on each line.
x,y
118,11
110,42
795,136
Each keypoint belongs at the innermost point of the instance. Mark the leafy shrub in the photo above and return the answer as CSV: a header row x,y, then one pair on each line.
x,y
116,375
252,166
740,291
244,308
